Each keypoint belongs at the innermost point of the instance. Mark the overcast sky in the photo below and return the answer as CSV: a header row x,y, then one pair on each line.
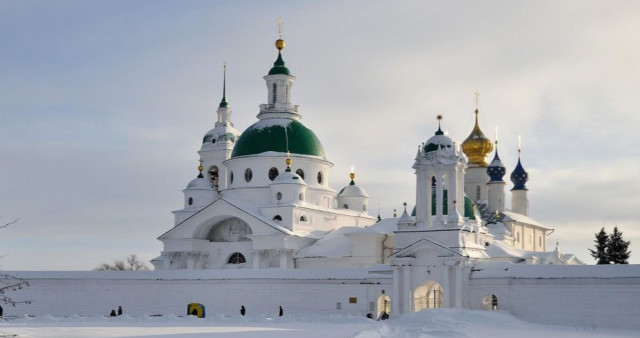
x,y
103,105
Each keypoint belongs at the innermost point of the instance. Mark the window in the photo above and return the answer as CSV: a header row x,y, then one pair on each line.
x,y
319,177
230,177
248,175
300,173
303,218
277,218
540,241
273,173
288,91
301,196
477,192
490,302
345,206
236,258
518,237
274,95
364,207
353,300
279,196
190,200
339,306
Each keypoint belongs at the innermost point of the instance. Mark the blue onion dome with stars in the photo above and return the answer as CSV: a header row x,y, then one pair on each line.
x,y
496,170
439,140
519,176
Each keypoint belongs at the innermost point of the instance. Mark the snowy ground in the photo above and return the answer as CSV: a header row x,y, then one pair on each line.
x,y
432,323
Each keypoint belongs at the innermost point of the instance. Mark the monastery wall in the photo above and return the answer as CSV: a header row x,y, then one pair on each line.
x,y
587,296
221,292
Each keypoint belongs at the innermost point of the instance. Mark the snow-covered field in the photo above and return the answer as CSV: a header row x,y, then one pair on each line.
x,y
432,323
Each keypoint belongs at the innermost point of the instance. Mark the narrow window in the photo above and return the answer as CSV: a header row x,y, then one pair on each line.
x,y
288,90
301,196
279,196
345,206
274,94
540,241
300,173
364,207
353,300
190,201
303,218
477,192
248,175
319,177
230,177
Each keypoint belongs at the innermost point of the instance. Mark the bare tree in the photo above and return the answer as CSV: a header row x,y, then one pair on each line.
x,y
10,283
131,263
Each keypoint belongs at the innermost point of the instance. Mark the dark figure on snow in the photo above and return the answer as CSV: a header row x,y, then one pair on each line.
x,y
281,312
1,311
113,313
119,310
242,310
194,312
384,316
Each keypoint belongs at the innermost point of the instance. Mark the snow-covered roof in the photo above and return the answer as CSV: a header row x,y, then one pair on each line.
x,y
514,216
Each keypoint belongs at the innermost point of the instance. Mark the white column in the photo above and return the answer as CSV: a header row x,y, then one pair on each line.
x,y
439,195
420,198
428,200
451,195
446,285
408,291
256,258
458,277
396,302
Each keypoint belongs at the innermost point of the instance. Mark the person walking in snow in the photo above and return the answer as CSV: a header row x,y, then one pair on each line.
x,y
113,313
242,310
281,312
119,310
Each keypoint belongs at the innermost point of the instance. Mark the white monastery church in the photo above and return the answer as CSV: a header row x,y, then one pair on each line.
x,y
261,227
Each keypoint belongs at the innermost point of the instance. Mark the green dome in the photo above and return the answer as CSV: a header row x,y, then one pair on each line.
x,y
272,134
278,67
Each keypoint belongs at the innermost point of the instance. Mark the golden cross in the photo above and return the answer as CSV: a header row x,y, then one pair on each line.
x,y
477,94
280,27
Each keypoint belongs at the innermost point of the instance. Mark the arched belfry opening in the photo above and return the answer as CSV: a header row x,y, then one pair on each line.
x,y
429,295
214,175
490,302
229,230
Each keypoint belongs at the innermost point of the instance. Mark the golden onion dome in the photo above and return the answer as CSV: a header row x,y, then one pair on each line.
x,y
477,146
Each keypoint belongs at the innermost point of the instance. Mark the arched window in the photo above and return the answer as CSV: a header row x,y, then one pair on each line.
x,y
490,302
277,218
279,196
288,91
300,173
213,176
236,258
428,295
345,206
303,218
364,207
301,196
230,177
274,95
248,175
273,173
477,192
319,177
190,200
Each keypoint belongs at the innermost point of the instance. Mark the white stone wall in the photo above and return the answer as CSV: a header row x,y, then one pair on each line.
x,y
81,294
